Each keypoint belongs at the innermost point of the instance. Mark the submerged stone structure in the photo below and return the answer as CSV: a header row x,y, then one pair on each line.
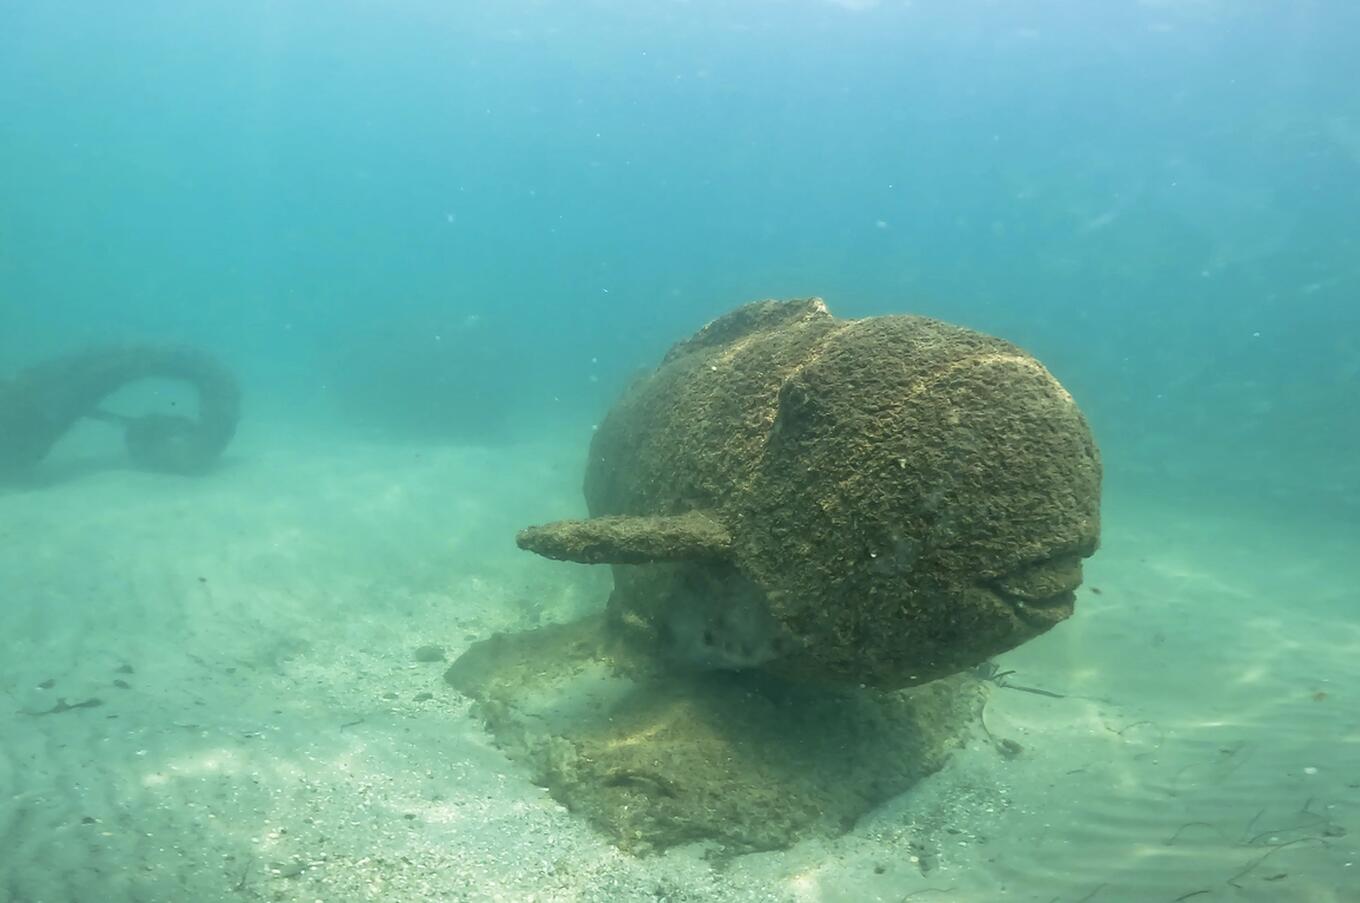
x,y
881,501
41,403
654,757
817,528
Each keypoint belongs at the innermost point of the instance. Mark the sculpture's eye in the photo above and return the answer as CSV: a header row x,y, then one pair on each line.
x,y
797,408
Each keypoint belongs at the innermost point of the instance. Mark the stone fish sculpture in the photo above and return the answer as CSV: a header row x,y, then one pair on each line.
x,y
877,502
805,517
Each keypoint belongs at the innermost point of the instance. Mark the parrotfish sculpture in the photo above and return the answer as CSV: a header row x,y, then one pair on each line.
x,y
806,518
882,501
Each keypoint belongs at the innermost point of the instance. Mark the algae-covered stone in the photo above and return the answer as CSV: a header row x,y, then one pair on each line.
x,y
882,501
747,760
804,515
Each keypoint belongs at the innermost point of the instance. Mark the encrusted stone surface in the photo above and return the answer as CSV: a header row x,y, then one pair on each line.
x,y
742,759
901,497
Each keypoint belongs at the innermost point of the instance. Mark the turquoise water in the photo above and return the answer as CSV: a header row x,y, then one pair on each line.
x,y
454,226
1158,199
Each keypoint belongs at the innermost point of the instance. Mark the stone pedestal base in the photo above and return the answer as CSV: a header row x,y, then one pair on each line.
x,y
655,758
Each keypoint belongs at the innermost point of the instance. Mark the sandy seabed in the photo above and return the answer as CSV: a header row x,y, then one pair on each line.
x,y
264,731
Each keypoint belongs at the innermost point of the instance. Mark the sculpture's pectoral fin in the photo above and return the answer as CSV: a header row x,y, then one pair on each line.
x,y
629,539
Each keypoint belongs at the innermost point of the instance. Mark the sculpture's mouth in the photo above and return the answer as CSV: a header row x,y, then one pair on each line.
x,y
1042,593
1040,614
